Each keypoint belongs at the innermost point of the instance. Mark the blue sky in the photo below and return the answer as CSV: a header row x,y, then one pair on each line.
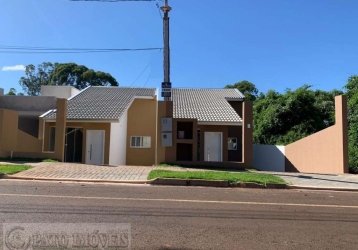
x,y
275,44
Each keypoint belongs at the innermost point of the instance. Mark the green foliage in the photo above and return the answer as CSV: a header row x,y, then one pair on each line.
x,y
13,91
212,175
13,169
280,119
63,74
22,159
49,160
352,93
247,88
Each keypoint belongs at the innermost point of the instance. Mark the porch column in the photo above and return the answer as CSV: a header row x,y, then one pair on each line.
x,y
61,114
247,134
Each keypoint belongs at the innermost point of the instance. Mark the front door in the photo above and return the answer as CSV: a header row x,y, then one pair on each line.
x,y
213,146
95,147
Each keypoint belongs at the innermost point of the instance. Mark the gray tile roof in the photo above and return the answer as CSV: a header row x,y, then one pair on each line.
x,y
205,105
102,103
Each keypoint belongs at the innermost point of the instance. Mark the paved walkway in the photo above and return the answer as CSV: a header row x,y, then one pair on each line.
x,y
71,171
85,172
349,181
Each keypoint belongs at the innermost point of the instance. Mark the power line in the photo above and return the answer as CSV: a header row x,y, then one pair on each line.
x,y
113,1
47,50
150,74
140,75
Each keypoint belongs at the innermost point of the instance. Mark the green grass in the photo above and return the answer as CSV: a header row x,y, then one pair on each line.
x,y
13,169
27,159
163,165
49,160
212,175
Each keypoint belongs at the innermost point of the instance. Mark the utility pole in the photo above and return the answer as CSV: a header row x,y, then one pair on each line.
x,y
166,85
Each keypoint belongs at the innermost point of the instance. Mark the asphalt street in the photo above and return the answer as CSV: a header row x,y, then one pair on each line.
x,y
164,217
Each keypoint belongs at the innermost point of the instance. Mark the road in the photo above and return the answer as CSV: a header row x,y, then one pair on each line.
x,y
192,217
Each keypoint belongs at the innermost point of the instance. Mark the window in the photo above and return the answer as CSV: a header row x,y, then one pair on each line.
x,y
140,141
232,143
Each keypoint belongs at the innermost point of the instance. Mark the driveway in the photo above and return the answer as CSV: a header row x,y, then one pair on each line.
x,y
71,171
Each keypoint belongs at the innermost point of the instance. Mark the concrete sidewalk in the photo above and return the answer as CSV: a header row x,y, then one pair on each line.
x,y
324,181
139,174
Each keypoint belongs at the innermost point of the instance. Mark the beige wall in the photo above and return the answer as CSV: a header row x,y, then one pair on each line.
x,y
31,147
8,129
325,151
142,121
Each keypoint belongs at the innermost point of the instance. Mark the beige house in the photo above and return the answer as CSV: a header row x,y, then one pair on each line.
x,y
129,126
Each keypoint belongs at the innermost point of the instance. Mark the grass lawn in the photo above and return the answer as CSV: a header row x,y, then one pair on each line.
x,y
212,175
20,159
13,169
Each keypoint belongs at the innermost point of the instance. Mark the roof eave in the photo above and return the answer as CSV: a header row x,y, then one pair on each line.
x,y
215,123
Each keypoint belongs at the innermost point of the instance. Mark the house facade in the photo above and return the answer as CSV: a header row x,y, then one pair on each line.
x,y
129,126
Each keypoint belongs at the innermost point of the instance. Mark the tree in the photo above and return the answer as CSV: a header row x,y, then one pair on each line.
x,y
352,94
293,115
63,74
13,91
80,77
247,88
32,82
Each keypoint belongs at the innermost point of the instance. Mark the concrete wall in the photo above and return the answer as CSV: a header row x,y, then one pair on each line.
x,y
1,91
142,121
118,143
59,91
28,103
269,158
325,151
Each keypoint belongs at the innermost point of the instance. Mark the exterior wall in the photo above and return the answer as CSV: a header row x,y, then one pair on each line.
x,y
162,112
237,105
269,158
8,130
247,118
59,91
28,103
1,91
85,126
29,124
30,146
118,149
142,121
235,132
325,151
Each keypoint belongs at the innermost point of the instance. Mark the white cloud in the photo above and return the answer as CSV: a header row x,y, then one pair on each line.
x,y
13,68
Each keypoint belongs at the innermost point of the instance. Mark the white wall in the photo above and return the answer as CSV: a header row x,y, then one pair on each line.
x,y
59,91
118,142
269,158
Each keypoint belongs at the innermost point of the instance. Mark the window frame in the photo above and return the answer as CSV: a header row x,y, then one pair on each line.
x,y
231,138
141,141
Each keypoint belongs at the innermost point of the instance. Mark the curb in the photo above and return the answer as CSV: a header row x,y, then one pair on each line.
x,y
322,188
76,180
214,183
